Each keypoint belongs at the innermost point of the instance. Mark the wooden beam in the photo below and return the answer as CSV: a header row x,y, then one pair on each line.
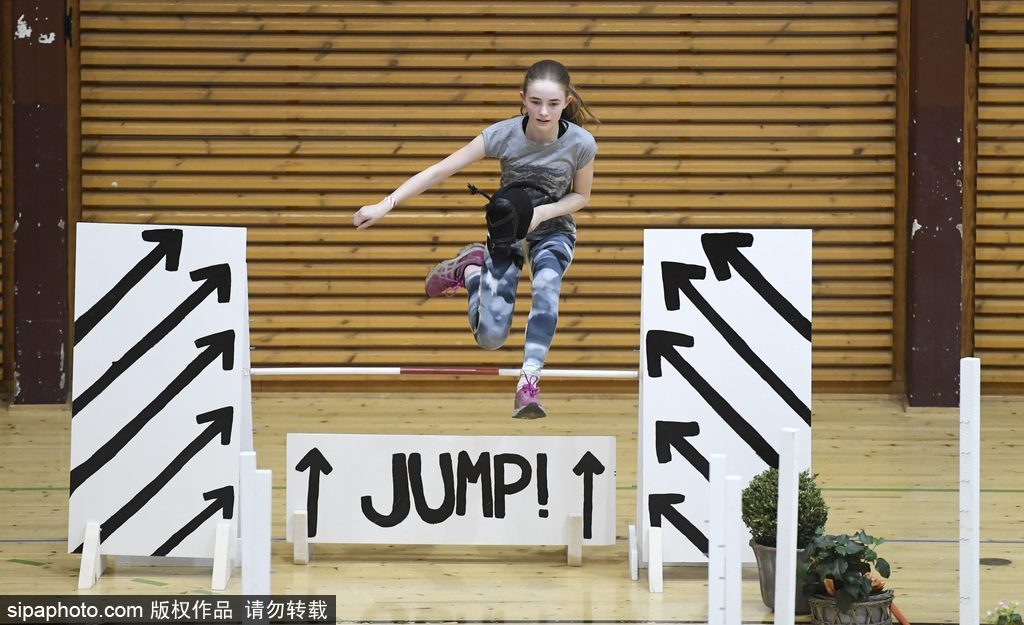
x,y
41,346
934,251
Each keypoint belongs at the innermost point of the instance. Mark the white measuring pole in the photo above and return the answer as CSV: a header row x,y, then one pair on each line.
x,y
716,540
733,549
786,528
970,489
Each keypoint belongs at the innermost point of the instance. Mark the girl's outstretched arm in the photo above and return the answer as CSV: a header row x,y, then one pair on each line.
x,y
575,200
456,162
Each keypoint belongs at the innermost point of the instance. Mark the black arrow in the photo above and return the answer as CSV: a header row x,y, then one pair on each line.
x,y
678,277
669,434
223,500
168,246
213,278
588,467
662,344
220,425
221,344
663,506
722,250
316,463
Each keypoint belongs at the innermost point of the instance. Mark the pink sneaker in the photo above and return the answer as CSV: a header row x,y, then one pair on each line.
x,y
447,276
528,404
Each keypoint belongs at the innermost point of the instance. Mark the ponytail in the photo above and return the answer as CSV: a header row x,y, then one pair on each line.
x,y
578,112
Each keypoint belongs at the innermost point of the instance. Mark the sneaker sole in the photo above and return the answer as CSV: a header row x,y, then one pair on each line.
x,y
462,252
530,411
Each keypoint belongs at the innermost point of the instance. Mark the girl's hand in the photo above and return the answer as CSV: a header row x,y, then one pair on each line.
x,y
540,215
369,215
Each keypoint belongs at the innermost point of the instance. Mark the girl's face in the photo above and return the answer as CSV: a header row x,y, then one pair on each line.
x,y
544,101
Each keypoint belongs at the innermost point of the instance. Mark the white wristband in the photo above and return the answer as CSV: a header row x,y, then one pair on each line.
x,y
390,202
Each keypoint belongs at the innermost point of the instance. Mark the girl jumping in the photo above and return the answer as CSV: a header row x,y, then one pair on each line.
x,y
547,168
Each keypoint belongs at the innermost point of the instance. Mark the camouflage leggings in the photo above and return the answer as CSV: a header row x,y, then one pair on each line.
x,y
492,298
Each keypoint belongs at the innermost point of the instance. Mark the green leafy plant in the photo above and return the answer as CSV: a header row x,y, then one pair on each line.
x,y
761,508
840,566
1005,614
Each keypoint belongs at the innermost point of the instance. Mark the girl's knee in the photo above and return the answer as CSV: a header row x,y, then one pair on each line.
x,y
491,338
546,281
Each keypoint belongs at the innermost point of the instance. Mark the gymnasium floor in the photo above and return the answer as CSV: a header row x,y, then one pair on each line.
x,y
890,470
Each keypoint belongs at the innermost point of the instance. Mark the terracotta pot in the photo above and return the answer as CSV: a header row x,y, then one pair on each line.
x,y
766,571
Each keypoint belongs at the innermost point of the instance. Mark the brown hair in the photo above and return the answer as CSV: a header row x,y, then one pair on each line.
x,y
577,111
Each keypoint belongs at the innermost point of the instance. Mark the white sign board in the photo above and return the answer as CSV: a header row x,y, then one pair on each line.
x,y
160,327
725,365
461,490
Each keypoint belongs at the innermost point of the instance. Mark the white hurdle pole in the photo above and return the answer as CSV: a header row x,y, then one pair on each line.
x,y
733,549
481,371
785,531
970,489
716,540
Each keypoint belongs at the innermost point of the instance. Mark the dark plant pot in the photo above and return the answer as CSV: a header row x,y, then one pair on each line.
x,y
766,571
875,611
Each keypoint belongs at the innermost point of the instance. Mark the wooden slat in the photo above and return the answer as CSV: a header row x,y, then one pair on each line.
x,y
438,147
160,93
340,268
564,356
407,42
597,253
455,61
380,7
834,293
456,112
456,236
253,166
767,130
390,78
994,288
286,116
458,336
350,182
792,25
457,198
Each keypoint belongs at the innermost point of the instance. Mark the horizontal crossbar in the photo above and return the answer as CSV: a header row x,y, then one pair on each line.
x,y
482,371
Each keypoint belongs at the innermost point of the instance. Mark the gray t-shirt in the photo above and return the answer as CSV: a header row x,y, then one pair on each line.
x,y
550,167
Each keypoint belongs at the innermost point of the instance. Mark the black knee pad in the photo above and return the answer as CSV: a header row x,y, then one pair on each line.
x,y
509,214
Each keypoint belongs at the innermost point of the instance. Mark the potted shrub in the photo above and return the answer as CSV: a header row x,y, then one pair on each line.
x,y
841,579
761,513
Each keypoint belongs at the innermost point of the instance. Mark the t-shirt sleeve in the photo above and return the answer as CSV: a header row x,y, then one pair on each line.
x,y
491,141
586,152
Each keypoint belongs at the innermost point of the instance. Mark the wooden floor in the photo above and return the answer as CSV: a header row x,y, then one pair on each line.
x,y
889,470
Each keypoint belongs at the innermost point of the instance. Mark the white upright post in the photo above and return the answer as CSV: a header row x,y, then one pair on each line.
x,y
733,549
93,563
574,541
970,489
655,581
251,509
785,533
222,556
260,550
716,540
634,556
300,537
